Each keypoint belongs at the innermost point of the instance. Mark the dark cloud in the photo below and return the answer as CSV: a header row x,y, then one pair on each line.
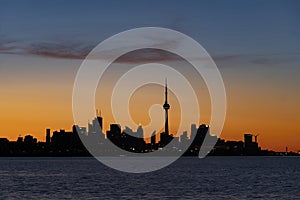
x,y
7,45
147,56
59,50
79,50
276,59
263,60
66,50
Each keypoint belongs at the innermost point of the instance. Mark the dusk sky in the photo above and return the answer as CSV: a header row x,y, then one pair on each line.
x,y
255,44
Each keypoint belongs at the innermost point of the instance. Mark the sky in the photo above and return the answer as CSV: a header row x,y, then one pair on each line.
x,y
255,44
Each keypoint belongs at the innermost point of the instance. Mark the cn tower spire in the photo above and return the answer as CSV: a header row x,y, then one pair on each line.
x,y
166,91
166,106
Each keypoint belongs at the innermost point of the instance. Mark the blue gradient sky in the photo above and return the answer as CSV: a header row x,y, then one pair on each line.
x,y
231,27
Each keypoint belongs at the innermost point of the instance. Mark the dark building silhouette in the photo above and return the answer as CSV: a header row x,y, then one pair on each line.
x,y
3,140
201,133
153,138
183,140
62,137
79,130
67,143
95,129
251,148
133,141
193,130
114,134
165,139
127,140
247,140
20,140
70,143
48,137
198,139
29,140
184,137
228,148
4,147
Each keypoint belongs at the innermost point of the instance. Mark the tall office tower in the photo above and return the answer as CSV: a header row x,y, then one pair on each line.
x,y
193,131
153,138
48,135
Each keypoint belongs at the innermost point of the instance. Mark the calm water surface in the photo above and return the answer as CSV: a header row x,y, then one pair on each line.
x,y
187,178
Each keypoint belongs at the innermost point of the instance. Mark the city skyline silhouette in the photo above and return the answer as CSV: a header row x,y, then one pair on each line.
x,y
71,143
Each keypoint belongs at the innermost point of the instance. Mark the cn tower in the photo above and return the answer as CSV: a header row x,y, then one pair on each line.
x,y
166,106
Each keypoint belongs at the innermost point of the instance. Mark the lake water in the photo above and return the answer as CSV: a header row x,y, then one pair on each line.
x,y
187,178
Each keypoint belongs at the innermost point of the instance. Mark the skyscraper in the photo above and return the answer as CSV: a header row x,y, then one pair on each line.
x,y
48,136
153,138
193,131
251,148
95,129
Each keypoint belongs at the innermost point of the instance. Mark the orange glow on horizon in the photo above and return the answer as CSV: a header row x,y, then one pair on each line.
x,y
32,102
